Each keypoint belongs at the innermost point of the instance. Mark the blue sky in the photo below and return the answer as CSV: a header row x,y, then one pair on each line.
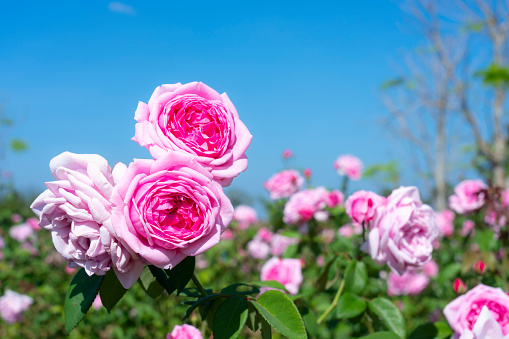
x,y
302,75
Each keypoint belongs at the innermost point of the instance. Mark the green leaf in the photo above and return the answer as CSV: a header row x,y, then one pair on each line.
x,y
324,277
281,313
79,298
356,277
182,273
230,318
162,279
269,283
149,283
350,306
253,318
265,328
381,335
111,290
200,302
240,289
18,145
391,83
309,321
389,314
495,75
438,330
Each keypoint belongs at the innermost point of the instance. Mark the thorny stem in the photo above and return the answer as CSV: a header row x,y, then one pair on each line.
x,y
334,302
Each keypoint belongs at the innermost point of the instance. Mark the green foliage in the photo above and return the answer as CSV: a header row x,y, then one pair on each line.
x,y
495,75
438,330
230,318
381,335
391,83
18,145
350,306
389,314
111,290
356,277
182,273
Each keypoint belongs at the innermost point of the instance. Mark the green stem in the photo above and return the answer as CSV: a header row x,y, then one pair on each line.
x,y
334,302
199,286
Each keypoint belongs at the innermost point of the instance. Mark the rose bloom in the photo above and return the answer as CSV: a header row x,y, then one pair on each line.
x,y
284,184
279,243
34,223
463,312
334,198
184,332
401,234
245,215
306,204
12,306
194,119
349,165
169,208
410,283
286,271
264,234
361,206
349,230
486,327
21,232
258,249
445,224
287,153
16,218
466,197
430,269
467,227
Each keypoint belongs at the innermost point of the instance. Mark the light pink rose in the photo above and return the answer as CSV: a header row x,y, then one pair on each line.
x,y
467,196
410,283
486,327
287,271
306,204
279,243
21,232
258,249
430,269
445,224
361,206
335,198
287,153
227,235
284,184
97,304
169,208
264,234
245,215
34,223
463,312
16,218
327,235
184,332
12,306
349,230
505,198
194,119
349,165
468,225
401,233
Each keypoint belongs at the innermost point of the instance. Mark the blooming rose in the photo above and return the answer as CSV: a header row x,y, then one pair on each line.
x,y
349,230
467,227
361,206
284,184
34,223
486,327
349,165
287,271
410,283
335,198
12,306
21,232
16,218
445,224
194,119
258,249
430,269
245,216
169,208
287,153
279,243
402,232
467,196
306,204
264,234
463,312
184,332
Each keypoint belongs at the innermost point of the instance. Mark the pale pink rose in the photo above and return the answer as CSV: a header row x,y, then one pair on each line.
x,y
21,232
258,249
16,218
169,208
284,184
34,223
327,235
264,234
402,233
279,243
12,306
196,120
445,224
349,165
184,332
468,196
463,312
468,225
349,230
286,271
97,304
486,327
410,283
287,153
430,269
304,205
227,235
245,215
335,198
361,206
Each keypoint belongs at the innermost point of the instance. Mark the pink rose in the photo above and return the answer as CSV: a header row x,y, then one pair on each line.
x,y
21,232
306,204
349,230
169,208
468,225
361,206
194,119
486,327
468,196
335,198
284,184
401,234
227,235
97,304
280,243
462,312
430,269
410,283
70,270
287,153
184,332
245,216
34,223
287,271
264,234
12,306
445,224
258,249
16,218
349,165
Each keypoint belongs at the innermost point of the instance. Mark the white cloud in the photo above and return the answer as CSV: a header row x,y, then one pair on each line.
x,y
119,7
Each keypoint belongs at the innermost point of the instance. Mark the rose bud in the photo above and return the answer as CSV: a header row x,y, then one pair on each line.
x,y
480,267
307,173
459,286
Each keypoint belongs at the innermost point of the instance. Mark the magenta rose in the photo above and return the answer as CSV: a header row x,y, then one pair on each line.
x,y
286,271
184,332
361,206
194,119
468,196
284,184
401,233
169,208
12,306
463,312
245,216
445,224
335,198
486,327
306,204
410,283
349,165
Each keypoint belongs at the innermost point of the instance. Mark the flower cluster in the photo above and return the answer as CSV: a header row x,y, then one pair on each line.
x,y
265,243
311,203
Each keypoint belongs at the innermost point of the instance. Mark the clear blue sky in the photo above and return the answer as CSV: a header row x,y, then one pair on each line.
x,y
303,75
